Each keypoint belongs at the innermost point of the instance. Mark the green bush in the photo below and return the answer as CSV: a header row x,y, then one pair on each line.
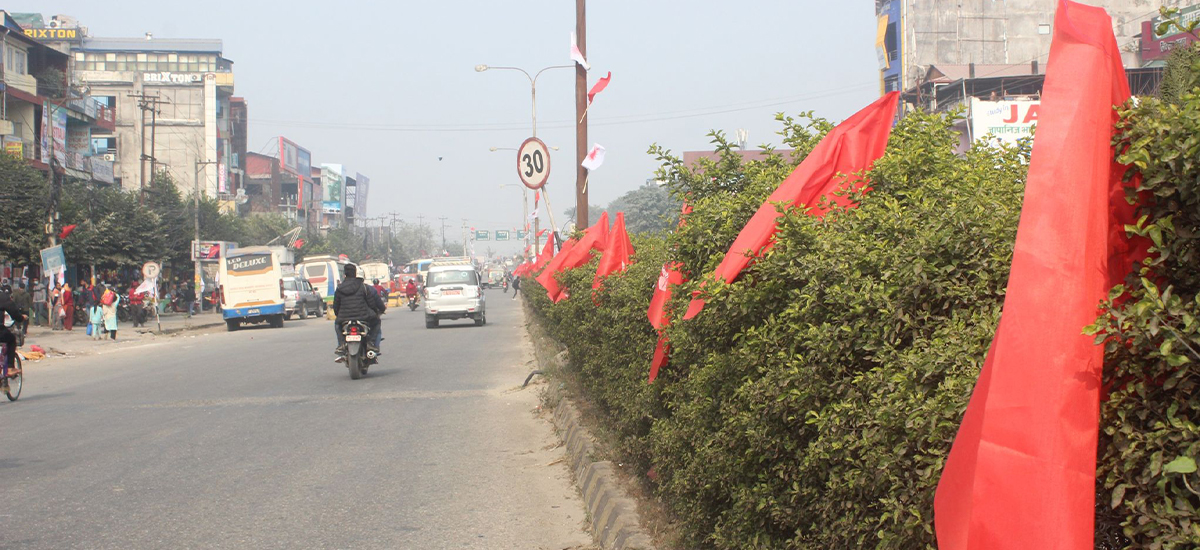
x,y
1151,438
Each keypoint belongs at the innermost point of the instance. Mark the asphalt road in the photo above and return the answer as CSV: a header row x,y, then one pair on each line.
x,y
256,439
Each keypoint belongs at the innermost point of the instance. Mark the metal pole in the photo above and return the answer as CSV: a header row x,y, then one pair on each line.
x,y
53,205
196,246
581,195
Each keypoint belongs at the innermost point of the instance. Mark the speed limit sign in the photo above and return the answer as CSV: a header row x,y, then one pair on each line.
x,y
533,163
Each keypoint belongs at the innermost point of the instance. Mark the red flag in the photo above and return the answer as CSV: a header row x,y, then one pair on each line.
x,y
1022,471
599,86
669,277
543,258
299,244
662,351
574,254
849,148
66,231
616,252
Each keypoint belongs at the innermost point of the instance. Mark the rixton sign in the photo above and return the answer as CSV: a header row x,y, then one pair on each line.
x,y
55,35
166,77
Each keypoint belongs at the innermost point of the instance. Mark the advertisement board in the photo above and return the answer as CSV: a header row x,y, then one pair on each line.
x,y
102,170
1007,121
332,184
1157,46
59,121
45,137
360,196
294,158
54,260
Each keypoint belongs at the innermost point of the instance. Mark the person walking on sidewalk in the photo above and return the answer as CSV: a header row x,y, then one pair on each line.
x,y
96,320
39,303
68,304
190,295
24,302
137,307
108,303
56,307
516,286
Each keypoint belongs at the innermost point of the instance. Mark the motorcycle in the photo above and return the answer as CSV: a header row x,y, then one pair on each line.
x,y
358,356
412,303
505,284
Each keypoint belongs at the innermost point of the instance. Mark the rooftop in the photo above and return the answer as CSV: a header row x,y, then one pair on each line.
x,y
190,45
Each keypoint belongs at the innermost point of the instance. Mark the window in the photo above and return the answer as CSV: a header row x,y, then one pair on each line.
x,y
16,61
454,277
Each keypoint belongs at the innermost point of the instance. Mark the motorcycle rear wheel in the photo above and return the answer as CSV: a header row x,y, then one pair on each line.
x,y
354,363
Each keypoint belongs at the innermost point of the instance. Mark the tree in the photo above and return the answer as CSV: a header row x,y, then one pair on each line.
x,y
594,212
647,209
23,194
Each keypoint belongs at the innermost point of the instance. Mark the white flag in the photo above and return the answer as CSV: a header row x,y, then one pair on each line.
x,y
533,215
577,55
149,285
594,158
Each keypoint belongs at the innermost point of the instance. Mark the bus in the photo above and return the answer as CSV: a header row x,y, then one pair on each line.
x,y
324,273
251,287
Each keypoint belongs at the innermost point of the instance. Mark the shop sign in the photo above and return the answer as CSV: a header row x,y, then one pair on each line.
x,y
167,77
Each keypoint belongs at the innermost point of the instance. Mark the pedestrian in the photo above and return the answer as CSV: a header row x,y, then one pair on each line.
x,y
516,286
96,322
108,304
68,304
39,303
56,307
137,306
190,296
24,302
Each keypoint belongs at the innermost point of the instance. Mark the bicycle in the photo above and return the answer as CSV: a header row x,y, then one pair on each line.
x,y
11,379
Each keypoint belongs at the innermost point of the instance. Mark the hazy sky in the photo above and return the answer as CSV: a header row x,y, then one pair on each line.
x,y
376,85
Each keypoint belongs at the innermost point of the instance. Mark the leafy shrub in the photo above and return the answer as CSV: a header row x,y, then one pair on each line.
x,y
1151,440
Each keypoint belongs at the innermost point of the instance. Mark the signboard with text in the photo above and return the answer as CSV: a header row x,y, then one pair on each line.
x,y
502,234
483,235
55,34
332,182
1007,121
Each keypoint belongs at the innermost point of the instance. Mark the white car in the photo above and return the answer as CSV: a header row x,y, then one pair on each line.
x,y
453,292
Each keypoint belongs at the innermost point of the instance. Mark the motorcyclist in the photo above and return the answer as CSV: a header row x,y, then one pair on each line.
x,y
381,290
355,301
410,290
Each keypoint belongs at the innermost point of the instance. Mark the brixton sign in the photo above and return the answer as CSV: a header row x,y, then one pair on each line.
x,y
55,35
166,77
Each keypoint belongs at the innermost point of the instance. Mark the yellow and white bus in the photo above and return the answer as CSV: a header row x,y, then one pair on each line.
x,y
251,287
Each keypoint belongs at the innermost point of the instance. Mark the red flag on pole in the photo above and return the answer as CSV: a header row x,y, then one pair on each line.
x,y
599,86
849,148
616,252
544,258
573,255
66,231
1022,471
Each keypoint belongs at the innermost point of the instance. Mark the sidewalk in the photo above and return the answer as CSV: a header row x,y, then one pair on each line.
x,y
60,343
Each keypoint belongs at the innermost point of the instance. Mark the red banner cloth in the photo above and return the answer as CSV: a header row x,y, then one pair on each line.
x,y
617,251
851,147
662,351
574,254
1022,471
545,257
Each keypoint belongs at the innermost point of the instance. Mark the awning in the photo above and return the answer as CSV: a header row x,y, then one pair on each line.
x,y
881,44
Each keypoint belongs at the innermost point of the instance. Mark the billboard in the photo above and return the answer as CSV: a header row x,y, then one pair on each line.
x,y
332,184
360,196
1157,46
294,158
1007,121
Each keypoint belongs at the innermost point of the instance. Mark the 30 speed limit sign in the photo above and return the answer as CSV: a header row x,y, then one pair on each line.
x,y
533,163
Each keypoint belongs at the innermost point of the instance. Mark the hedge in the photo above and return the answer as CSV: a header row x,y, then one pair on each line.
x,y
813,402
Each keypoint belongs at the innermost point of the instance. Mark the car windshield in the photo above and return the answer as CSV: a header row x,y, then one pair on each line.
x,y
289,284
453,277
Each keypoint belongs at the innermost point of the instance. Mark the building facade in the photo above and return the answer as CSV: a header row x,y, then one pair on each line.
x,y
914,35
172,98
45,120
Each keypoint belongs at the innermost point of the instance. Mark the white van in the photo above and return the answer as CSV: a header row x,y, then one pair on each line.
x,y
369,271
453,292
251,287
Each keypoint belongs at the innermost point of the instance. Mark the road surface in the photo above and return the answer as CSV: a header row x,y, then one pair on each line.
x,y
256,439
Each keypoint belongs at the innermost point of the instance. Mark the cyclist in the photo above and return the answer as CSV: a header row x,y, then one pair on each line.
x,y
7,336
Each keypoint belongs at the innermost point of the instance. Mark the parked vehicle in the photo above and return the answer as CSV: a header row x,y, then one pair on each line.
x,y
300,299
252,288
358,356
454,292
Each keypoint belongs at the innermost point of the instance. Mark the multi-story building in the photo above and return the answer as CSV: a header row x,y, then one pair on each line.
x,y
172,98
915,35
43,118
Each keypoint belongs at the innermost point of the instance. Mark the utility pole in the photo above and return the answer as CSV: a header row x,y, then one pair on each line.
x,y
443,218
52,207
147,103
581,195
198,280
465,236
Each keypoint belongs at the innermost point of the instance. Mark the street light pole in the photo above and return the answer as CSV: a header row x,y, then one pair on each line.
x,y
198,279
533,97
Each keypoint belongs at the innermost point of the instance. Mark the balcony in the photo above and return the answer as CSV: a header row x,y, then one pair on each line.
x,y
23,82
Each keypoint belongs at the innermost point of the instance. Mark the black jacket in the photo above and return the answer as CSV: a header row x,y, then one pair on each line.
x,y
354,300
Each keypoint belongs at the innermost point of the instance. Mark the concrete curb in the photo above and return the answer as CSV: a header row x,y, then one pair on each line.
x,y
614,519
